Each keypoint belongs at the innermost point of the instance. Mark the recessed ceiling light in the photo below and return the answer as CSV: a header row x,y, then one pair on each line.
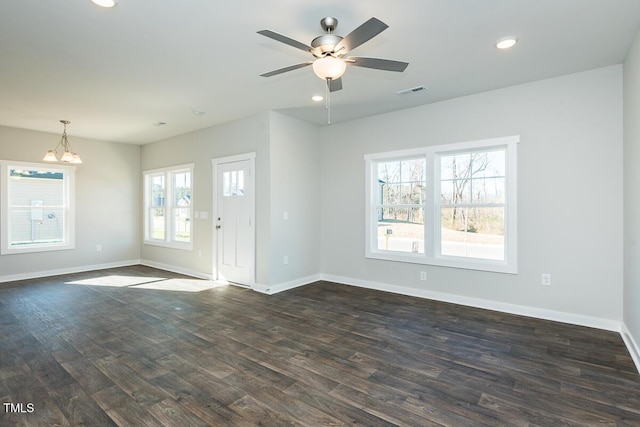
x,y
105,3
506,42
198,112
317,98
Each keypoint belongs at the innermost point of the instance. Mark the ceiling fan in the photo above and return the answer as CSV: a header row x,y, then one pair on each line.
x,y
329,51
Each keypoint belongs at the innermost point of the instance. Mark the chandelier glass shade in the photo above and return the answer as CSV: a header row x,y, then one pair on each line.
x,y
329,67
68,155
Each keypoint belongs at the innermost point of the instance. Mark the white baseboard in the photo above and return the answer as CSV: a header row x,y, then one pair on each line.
x,y
558,316
281,287
176,269
632,346
69,270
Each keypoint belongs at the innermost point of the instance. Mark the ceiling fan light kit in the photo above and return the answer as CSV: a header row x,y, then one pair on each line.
x,y
329,51
329,67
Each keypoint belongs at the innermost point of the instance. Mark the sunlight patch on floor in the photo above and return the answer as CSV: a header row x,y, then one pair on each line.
x,y
155,283
116,281
183,285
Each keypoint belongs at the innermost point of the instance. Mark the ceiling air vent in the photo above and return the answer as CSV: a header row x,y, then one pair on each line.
x,y
412,90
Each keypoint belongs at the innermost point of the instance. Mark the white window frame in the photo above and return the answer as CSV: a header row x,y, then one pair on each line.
x,y
432,228
169,207
68,239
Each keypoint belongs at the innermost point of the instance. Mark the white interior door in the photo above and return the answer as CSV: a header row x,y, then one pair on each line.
x,y
234,220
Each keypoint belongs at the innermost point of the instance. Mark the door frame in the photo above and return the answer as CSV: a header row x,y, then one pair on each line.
x,y
251,157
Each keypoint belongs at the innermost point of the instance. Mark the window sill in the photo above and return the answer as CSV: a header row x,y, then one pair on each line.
x,y
171,245
453,262
14,250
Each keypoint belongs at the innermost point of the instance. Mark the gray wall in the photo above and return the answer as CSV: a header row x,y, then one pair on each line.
x,y
200,147
287,179
295,189
107,198
632,192
569,196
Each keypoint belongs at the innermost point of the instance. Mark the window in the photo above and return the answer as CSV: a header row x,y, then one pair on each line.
x,y
401,193
451,205
37,207
168,207
233,183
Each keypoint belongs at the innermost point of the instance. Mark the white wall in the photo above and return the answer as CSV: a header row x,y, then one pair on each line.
x,y
295,189
200,147
570,193
107,198
632,194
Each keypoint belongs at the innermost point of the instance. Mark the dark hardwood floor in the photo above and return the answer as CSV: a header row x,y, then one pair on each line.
x,y
324,354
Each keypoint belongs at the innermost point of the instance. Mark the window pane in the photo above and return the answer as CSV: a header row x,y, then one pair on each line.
x,y
455,166
455,191
182,225
157,190
413,193
402,182
37,207
182,189
390,194
473,232
396,171
36,226
413,170
489,164
47,188
475,177
156,223
400,229
240,183
389,172
488,190
233,183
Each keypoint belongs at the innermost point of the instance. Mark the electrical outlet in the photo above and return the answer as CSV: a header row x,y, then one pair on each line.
x,y
423,276
98,248
545,279
286,260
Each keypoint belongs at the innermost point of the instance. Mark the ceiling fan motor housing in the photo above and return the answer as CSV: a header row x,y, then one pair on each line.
x,y
325,43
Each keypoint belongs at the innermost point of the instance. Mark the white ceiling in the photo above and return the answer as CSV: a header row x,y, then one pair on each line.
x,y
114,73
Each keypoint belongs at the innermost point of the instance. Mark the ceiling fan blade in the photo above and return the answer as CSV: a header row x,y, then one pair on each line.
x,y
377,63
285,40
285,69
360,35
335,84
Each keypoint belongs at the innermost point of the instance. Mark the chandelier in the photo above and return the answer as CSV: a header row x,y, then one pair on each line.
x,y
68,156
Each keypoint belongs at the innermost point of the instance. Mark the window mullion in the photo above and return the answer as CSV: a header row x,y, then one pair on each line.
x,y
431,223
168,208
